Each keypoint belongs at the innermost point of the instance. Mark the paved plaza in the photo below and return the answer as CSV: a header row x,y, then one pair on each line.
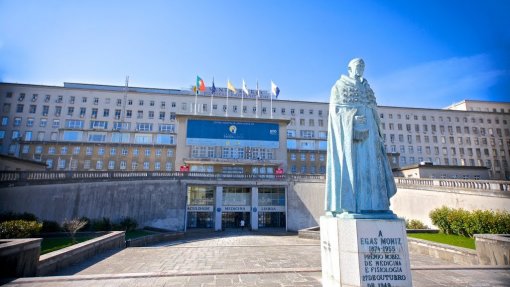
x,y
241,258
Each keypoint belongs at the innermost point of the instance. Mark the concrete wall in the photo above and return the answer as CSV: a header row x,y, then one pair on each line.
x,y
305,204
158,203
417,203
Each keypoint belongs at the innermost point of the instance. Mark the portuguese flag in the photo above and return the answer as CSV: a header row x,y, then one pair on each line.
x,y
200,84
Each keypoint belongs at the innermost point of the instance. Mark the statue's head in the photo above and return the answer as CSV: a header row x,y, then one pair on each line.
x,y
356,68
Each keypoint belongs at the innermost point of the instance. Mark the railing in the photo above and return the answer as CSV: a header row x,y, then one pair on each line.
x,y
10,178
492,185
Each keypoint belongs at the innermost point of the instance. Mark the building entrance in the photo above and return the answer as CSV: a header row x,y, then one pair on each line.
x,y
233,219
272,219
200,220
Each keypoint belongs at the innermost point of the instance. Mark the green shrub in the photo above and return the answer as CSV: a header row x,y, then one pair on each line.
x,y
103,224
128,224
9,216
19,229
50,226
468,223
439,219
415,224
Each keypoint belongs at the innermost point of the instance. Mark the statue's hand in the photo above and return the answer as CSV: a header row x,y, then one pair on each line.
x,y
360,131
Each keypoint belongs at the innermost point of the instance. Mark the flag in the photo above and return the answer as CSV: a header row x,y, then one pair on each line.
x,y
258,92
231,87
275,90
213,88
245,88
200,84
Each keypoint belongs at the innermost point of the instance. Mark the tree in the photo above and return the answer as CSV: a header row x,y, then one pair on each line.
x,y
72,226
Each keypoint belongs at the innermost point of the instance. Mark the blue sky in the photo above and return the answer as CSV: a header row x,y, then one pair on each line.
x,y
417,53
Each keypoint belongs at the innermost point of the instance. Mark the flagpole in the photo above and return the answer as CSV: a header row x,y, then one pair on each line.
x,y
242,99
196,98
257,101
212,95
226,110
271,94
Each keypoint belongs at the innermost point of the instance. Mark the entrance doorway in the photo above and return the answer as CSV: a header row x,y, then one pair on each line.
x,y
272,219
233,219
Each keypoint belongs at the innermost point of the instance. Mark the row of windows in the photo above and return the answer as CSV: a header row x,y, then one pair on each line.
x,y
311,157
445,119
101,165
95,100
112,151
498,163
232,152
459,130
444,140
444,150
304,169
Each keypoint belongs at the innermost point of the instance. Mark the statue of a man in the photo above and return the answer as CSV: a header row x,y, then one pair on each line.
x,y
359,181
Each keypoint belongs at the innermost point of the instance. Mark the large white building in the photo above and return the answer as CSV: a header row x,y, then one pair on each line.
x,y
98,127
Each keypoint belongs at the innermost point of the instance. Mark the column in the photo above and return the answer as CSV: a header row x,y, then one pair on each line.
x,y
218,204
254,208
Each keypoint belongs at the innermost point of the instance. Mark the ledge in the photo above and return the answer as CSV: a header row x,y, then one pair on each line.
x,y
60,259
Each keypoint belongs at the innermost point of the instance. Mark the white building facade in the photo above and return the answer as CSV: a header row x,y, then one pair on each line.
x,y
98,127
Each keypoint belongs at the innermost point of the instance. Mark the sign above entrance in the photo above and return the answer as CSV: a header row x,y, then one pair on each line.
x,y
236,208
232,134
271,208
200,208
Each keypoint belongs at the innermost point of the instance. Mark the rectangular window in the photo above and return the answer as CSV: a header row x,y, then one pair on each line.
x,y
103,125
144,127
76,150
97,137
143,138
120,137
164,139
56,124
70,111
43,122
74,124
167,128
72,136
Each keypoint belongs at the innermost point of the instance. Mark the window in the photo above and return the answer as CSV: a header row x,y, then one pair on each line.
x,y
43,122
124,151
56,124
146,127
72,136
96,101
74,124
19,108
157,165
58,111
106,113
140,102
94,113
28,136
170,153
129,114
121,126
164,139
89,150
139,115
166,128
120,137
99,125
143,138
123,164
111,164
61,163
82,112
97,137
113,151
51,150
76,150
147,152
70,111
99,164
32,109
151,114
63,150
146,165
168,166
161,115
17,121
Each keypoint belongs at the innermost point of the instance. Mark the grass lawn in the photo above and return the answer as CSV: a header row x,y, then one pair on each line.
x,y
137,233
56,243
449,239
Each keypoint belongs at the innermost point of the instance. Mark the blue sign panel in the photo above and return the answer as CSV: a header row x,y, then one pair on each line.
x,y
232,134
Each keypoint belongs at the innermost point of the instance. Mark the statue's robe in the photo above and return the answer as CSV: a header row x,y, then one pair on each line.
x,y
359,178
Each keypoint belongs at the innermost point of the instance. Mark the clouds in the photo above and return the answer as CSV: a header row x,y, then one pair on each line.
x,y
439,83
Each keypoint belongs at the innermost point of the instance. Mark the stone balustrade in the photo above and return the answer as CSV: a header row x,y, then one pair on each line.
x,y
13,178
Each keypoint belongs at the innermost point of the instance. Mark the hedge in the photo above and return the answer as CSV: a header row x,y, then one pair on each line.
x,y
19,229
467,223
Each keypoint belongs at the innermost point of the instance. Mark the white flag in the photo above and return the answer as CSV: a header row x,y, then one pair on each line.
x,y
245,88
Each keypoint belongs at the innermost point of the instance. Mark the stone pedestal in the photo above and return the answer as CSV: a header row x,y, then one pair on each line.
x,y
364,252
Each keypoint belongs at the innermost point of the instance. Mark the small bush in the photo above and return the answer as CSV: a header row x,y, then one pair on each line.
x,y
19,229
468,223
72,226
415,224
50,226
128,224
439,219
88,226
9,216
103,224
